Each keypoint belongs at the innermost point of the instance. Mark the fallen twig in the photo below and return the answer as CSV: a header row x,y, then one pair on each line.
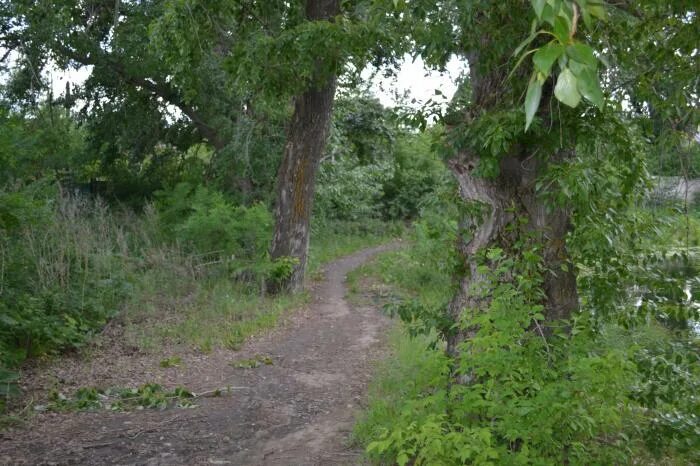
x,y
217,391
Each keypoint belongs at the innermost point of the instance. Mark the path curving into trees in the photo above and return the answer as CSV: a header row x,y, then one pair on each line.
x,y
299,410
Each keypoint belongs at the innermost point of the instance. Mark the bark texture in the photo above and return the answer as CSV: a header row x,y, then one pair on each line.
x,y
510,195
296,179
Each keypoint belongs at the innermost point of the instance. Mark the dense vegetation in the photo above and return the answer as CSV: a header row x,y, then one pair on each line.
x,y
549,298
629,394
75,254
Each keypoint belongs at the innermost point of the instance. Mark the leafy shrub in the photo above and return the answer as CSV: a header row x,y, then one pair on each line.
x,y
667,387
206,222
526,400
417,173
605,395
349,191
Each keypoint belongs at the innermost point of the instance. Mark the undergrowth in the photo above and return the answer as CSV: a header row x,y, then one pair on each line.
x,y
188,271
606,395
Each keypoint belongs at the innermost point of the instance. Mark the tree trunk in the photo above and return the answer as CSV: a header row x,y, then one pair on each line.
x,y
296,179
506,199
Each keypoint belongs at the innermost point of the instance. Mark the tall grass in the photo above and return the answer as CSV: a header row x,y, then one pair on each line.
x,y
70,263
65,262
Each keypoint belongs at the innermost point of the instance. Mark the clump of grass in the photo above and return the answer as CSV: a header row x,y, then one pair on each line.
x,y
408,277
173,361
67,262
251,363
417,365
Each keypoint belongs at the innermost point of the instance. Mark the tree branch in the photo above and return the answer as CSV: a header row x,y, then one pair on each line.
x,y
165,91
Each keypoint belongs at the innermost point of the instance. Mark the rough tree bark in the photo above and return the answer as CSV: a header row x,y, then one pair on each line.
x,y
296,179
510,195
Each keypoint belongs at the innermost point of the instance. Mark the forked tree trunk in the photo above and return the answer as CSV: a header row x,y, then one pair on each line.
x,y
296,179
506,199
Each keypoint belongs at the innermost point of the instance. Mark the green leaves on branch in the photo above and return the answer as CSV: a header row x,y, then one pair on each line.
x,y
532,100
548,11
588,85
565,90
545,57
578,65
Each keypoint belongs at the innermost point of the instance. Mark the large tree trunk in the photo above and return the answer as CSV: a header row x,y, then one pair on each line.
x,y
296,179
506,200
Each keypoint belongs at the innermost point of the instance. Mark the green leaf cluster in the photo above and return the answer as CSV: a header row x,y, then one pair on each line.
x,y
576,61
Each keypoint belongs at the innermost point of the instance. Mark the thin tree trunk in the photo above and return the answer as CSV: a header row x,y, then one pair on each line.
x,y
296,179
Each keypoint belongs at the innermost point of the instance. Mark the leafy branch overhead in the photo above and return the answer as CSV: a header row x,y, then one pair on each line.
x,y
576,61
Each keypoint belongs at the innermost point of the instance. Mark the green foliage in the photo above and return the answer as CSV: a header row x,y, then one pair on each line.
x,y
174,361
252,363
427,268
374,168
359,161
577,63
363,128
60,259
667,386
350,191
207,223
147,396
411,372
68,264
42,143
491,135
416,176
282,268
607,394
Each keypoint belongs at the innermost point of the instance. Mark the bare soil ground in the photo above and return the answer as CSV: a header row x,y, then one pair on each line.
x,y
297,411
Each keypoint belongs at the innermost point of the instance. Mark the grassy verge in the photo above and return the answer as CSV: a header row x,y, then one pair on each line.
x,y
415,366
212,315
218,312
74,270
412,370
406,275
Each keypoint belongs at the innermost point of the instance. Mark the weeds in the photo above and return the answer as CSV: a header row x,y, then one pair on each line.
x,y
256,361
174,361
147,396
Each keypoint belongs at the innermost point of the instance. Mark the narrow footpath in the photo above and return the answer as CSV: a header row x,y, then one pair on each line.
x,y
297,411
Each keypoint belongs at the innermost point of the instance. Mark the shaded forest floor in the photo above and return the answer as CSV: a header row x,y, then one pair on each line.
x,y
296,407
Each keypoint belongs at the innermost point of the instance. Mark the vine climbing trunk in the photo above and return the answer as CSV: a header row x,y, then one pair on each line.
x,y
296,179
513,212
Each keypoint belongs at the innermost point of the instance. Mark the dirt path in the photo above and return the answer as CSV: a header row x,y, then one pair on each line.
x,y
298,411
